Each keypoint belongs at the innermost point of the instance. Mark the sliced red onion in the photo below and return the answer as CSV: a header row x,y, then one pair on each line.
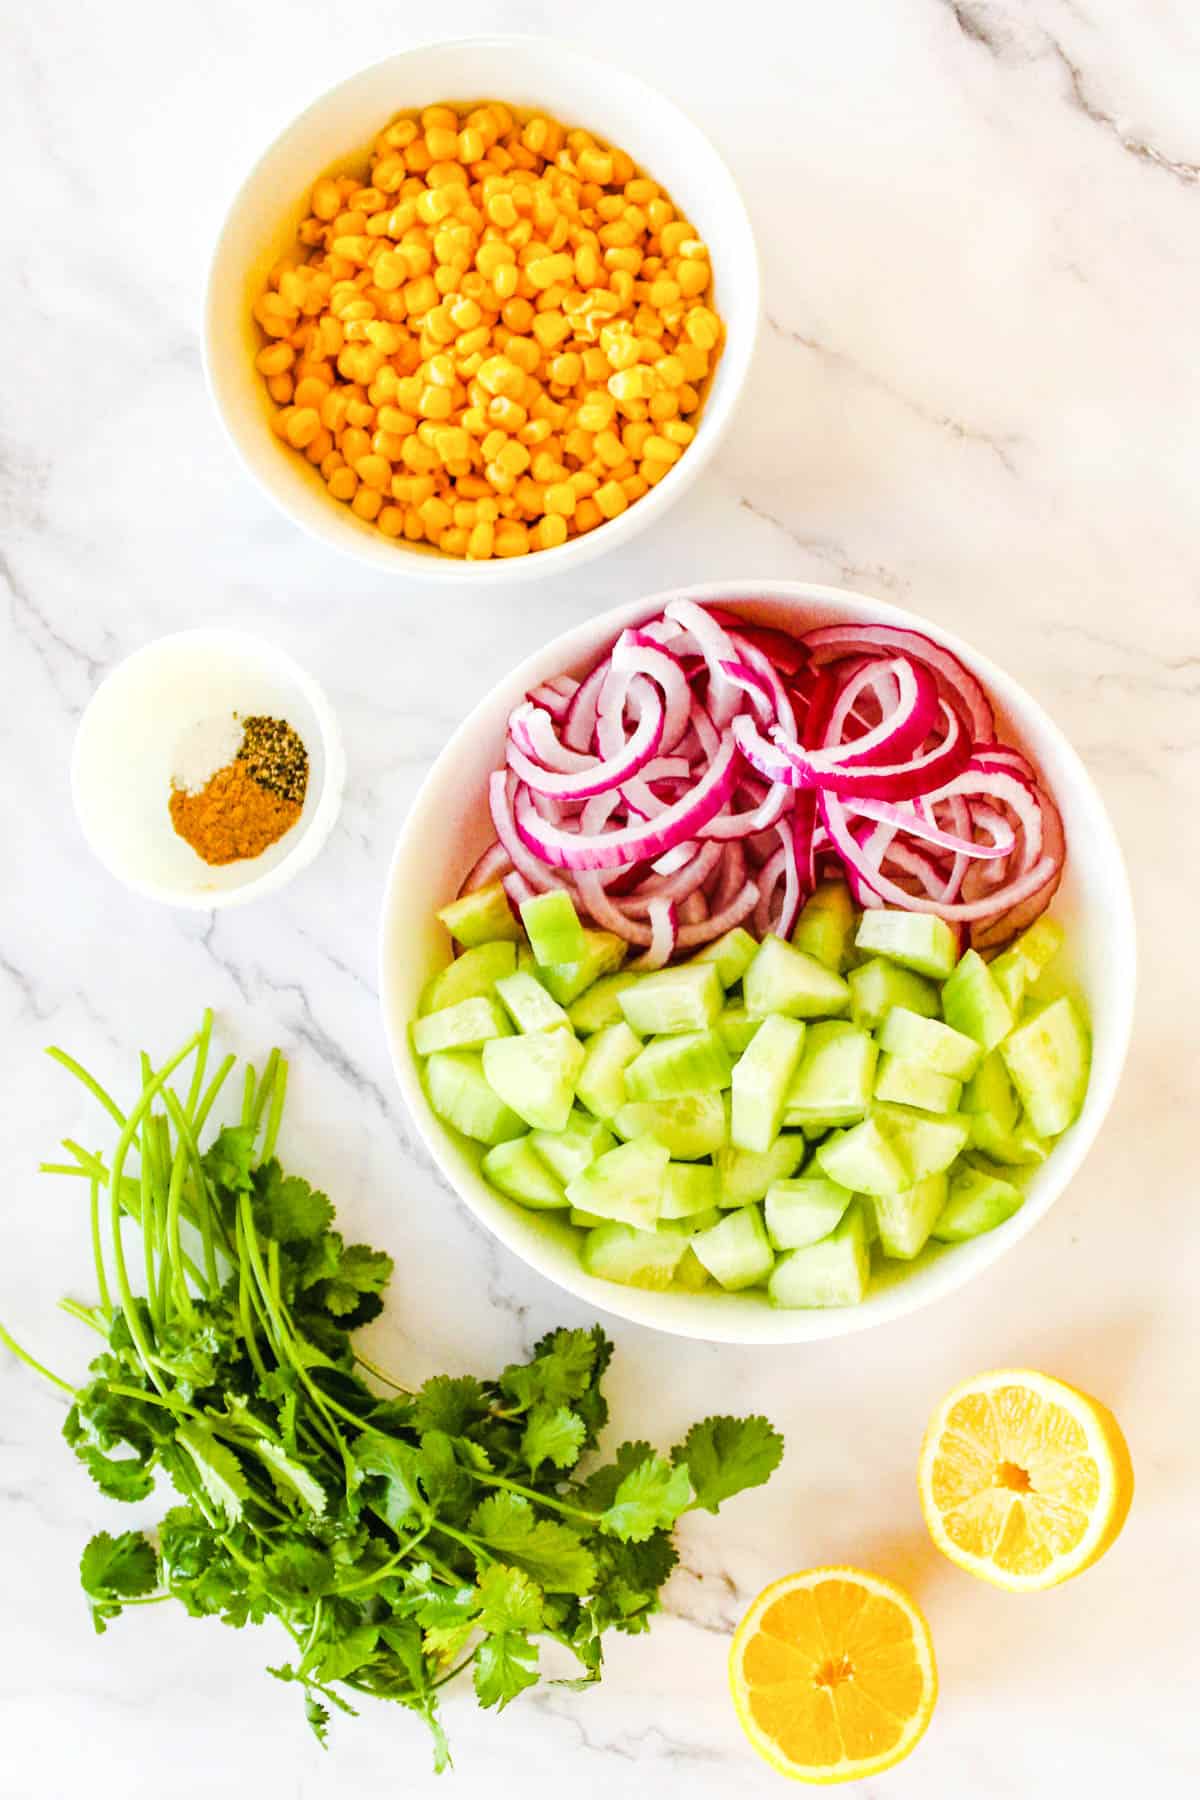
x,y
715,646
580,724
907,819
766,671
494,863
903,727
502,788
555,695
634,653
691,910
621,764
832,641
664,932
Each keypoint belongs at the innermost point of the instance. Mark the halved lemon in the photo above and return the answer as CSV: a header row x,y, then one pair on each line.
x,y
1024,1481
833,1675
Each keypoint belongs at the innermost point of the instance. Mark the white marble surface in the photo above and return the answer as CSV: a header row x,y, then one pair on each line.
x,y
977,394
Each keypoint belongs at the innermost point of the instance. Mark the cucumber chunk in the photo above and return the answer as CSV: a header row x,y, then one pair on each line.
x,y
737,1028
833,1272
1048,1060
607,1055
553,929
625,1184
914,1084
906,1220
974,1003
599,1005
642,1259
692,1062
825,928
518,1171
732,954
481,917
990,1093
925,1144
463,1027
569,1152
978,1202
945,1051
535,1075
473,973
803,1211
685,998
1026,959
528,1004
919,941
834,1081
865,1160
761,1080
1020,1147
878,985
585,1221
690,1273
689,1190
784,980
745,1175
461,1095
695,1125
603,952
737,1253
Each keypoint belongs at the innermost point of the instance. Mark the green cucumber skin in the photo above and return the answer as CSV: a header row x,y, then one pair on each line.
x,y
941,1048
913,1084
603,954
688,997
1049,1060
787,981
599,1005
462,1097
918,941
553,929
761,1081
601,1085
732,954
974,1003
691,1062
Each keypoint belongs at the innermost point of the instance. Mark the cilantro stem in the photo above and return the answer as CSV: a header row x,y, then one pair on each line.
x,y
32,1362
98,1248
538,1498
86,1315
381,1374
90,1083
147,1179
203,1203
384,1570
197,1082
209,1100
263,1094
275,1116
244,1313
174,1246
248,1080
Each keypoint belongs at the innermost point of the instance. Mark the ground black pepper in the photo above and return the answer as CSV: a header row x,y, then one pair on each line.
x,y
275,756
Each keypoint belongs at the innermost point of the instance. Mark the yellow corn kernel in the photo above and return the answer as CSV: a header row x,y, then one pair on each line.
x,y
420,294
387,444
391,521
493,255
546,467
587,266
366,504
500,376
693,359
597,411
435,513
595,165
632,384
375,471
622,351
691,277
622,284
454,541
511,538
506,281
506,412
678,431
470,145
609,449
440,326
633,487
343,484
551,329
663,292
560,498
281,389
416,455
480,542
587,516
674,235
628,259
549,532
663,405
661,449
452,443
653,470
355,443
524,352
439,371
634,436
276,359
512,457
548,270
326,200
465,314
302,427
435,402
580,444
689,398
466,512
703,328
611,499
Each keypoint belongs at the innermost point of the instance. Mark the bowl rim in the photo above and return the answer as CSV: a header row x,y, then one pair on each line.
x,y
951,1272
409,562
315,834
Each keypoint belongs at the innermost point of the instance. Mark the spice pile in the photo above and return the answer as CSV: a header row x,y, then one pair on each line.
x,y
239,803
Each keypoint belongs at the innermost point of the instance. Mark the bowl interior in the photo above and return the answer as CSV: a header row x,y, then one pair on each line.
x,y
449,827
130,738
336,131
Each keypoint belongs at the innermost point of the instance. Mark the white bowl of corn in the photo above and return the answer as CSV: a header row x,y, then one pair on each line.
x,y
469,339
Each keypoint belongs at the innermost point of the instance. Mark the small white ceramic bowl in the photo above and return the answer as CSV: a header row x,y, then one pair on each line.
x,y
449,827
335,132
132,735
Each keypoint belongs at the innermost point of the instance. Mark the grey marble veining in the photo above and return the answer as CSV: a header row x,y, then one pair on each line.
x,y
977,394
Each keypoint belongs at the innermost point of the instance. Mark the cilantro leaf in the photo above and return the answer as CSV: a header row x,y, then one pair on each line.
x,y
286,1208
399,1465
552,1434
291,1475
359,1271
561,1369
508,1600
448,1403
505,1665
318,1718
724,1456
343,1655
599,1491
229,1160
220,1472
118,1568
119,1477
650,1498
552,1553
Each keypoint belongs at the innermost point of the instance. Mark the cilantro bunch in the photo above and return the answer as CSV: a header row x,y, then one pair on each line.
x,y
399,1540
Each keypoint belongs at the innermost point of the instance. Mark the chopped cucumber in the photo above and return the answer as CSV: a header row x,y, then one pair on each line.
x,y
642,1259
925,1144
990,1093
912,1083
535,1075
569,1152
518,1171
474,972
689,1189
603,951
463,1027
737,1028
552,927
625,1184
692,1062
1048,1060
833,1272
746,1175
481,917
737,1253
878,985
927,1041
732,954
1020,1147
783,980
974,1003
599,1005
833,1083
585,1221
761,1081
1018,967
685,998
525,958
804,1211
978,1202
919,941
865,1160
695,1125
906,1220
607,1055
528,1004
825,928
690,1272
461,1095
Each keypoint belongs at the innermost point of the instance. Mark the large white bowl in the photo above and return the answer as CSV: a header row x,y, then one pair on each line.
x,y
336,131
448,827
